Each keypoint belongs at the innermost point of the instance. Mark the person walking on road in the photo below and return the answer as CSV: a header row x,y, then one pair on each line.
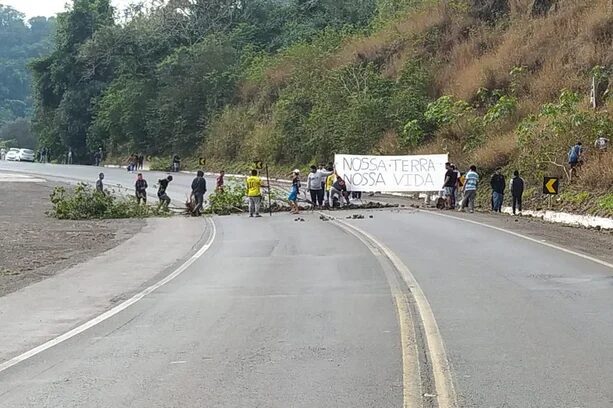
x,y
198,191
254,194
162,194
470,189
141,189
517,186
498,184
294,192
100,183
316,185
219,183
69,156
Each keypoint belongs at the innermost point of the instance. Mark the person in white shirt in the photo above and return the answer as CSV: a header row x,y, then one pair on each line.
x,y
314,185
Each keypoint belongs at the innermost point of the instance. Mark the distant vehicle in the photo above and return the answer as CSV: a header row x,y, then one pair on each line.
x,y
20,155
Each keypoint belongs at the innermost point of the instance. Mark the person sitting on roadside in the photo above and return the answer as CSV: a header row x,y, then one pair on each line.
x,y
141,189
339,189
162,194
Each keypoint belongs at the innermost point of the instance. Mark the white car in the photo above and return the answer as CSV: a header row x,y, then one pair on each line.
x,y
20,155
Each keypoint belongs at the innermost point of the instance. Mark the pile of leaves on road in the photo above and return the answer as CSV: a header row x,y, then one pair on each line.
x,y
228,201
85,203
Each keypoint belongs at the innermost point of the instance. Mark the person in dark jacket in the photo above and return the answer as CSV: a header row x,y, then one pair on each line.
x,y
517,190
198,191
498,184
162,194
141,189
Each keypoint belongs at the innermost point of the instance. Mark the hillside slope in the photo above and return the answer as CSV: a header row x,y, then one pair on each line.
x,y
492,82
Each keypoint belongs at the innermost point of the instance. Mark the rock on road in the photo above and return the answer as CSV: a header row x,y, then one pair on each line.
x,y
279,313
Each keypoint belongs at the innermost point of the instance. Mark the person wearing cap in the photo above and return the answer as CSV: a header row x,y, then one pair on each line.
x,y
294,191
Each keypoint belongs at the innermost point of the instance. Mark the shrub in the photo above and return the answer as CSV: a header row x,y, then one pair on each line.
x,y
228,201
84,203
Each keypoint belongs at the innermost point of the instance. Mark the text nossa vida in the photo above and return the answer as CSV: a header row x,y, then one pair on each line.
x,y
368,172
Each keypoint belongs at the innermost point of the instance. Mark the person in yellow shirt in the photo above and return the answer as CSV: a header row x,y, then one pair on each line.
x,y
329,182
254,193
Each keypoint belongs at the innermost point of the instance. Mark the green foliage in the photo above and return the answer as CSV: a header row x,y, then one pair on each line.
x,y
20,41
606,202
544,139
19,133
228,201
85,203
575,198
504,107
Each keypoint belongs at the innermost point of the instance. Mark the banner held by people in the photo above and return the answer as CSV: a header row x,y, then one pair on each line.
x,y
392,173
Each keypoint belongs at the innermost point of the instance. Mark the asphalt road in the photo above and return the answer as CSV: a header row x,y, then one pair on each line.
x,y
114,178
280,313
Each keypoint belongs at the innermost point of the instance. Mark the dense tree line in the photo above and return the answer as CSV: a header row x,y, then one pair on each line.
x,y
151,79
20,41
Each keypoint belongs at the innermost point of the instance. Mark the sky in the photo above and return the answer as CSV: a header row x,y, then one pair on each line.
x,y
47,8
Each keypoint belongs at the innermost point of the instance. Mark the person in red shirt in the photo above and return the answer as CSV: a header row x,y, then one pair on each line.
x,y
220,182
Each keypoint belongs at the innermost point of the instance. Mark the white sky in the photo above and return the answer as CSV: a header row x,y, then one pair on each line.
x,y
47,8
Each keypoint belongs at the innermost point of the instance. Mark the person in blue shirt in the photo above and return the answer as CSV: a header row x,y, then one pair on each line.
x,y
470,189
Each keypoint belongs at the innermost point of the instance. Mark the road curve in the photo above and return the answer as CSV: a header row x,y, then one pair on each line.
x,y
282,313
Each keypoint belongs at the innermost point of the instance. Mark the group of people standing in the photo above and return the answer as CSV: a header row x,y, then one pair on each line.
x,y
460,190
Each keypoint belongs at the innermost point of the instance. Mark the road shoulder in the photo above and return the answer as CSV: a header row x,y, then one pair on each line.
x,y
46,309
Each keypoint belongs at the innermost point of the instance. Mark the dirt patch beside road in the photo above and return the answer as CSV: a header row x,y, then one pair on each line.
x,y
34,246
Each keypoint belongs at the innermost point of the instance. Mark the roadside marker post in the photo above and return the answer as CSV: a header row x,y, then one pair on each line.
x,y
259,165
551,187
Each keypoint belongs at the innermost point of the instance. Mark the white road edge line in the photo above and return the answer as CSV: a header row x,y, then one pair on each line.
x,y
115,310
443,380
545,243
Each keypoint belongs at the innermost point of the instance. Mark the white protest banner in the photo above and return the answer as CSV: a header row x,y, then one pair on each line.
x,y
392,173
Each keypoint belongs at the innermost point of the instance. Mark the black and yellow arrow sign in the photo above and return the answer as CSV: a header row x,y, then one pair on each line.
x,y
202,161
551,185
258,164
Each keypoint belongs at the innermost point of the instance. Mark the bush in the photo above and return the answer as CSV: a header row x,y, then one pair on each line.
x,y
84,203
230,200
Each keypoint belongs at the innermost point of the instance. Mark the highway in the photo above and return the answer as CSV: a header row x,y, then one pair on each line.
x,y
405,309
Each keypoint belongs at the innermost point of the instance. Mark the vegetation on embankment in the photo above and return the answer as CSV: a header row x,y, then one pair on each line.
x,y
492,82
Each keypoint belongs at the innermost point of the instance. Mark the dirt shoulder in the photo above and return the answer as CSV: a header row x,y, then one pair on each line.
x,y
34,246
588,241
